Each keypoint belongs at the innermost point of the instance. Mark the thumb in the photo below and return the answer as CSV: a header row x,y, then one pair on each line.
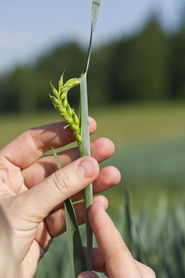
x,y
87,274
41,199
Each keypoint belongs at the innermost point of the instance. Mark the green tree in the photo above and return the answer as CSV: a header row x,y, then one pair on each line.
x,y
99,72
68,57
178,64
140,67
18,90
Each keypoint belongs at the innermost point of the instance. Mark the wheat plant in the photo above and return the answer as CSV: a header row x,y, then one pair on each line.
x,y
80,128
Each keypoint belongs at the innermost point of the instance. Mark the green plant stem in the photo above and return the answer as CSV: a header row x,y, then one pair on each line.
x,y
84,147
81,133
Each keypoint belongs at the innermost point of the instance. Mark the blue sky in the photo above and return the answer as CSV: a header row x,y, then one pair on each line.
x,y
27,28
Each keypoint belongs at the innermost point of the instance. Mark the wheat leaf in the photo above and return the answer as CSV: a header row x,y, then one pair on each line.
x,y
76,252
84,125
95,9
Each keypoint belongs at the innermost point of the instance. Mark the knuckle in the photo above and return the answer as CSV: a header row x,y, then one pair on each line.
x,y
151,273
61,181
29,137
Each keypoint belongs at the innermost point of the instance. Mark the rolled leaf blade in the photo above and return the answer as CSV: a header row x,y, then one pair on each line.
x,y
95,10
85,144
78,261
76,252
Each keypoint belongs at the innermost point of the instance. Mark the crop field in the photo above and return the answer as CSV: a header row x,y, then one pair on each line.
x,y
149,139
124,124
150,153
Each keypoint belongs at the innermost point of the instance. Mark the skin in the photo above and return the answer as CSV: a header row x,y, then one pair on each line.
x,y
32,189
112,257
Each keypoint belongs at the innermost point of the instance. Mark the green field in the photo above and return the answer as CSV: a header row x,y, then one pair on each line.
x,y
124,124
149,139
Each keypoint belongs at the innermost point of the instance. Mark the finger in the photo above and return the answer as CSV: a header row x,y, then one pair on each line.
x,y
107,178
30,145
118,260
87,274
145,270
35,252
101,149
55,221
40,200
43,237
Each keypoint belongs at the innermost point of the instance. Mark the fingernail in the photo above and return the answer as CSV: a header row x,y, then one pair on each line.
x,y
86,168
87,274
102,202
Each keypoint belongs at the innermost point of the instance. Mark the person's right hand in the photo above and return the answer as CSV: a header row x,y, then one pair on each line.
x,y
112,257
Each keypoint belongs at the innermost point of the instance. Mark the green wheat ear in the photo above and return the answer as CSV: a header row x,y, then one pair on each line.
x,y
60,102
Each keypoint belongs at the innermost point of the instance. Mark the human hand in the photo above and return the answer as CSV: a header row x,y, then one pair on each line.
x,y
112,257
33,190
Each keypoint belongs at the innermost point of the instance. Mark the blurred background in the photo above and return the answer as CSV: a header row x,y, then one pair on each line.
x,y
136,87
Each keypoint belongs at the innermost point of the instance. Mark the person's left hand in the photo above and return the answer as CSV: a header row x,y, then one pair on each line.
x,y
35,213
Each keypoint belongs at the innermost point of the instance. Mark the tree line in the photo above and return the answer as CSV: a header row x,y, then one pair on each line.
x,y
148,65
